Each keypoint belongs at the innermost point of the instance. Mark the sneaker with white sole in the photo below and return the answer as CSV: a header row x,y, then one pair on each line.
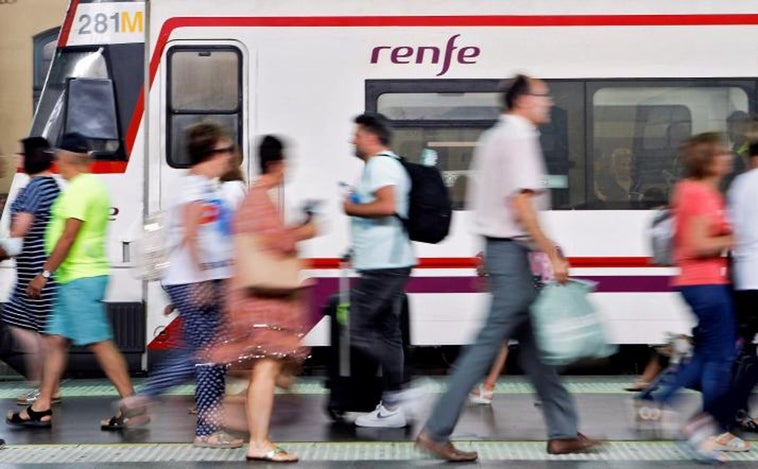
x,y
382,417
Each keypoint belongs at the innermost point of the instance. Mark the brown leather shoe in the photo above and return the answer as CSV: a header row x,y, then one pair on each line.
x,y
444,451
580,444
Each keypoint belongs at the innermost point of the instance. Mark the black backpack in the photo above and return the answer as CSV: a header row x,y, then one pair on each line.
x,y
429,208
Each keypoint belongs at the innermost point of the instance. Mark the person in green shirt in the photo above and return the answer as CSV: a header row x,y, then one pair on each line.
x,y
75,243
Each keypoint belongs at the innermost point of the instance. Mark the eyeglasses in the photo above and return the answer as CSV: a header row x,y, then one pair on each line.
x,y
546,95
221,150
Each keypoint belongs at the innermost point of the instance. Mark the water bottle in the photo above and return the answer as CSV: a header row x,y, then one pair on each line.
x,y
428,157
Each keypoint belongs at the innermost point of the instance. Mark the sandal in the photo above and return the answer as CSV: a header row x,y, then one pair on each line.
x,y
481,395
747,424
126,418
34,419
218,440
32,396
729,443
637,386
275,455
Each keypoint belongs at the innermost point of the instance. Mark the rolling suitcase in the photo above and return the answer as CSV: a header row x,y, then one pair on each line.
x,y
354,379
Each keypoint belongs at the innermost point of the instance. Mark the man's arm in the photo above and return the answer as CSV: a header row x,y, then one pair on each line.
x,y
526,215
56,258
382,206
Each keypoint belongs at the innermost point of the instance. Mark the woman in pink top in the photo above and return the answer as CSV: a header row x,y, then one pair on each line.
x,y
702,236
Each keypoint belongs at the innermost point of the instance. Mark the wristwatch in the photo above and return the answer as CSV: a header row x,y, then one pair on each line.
x,y
46,274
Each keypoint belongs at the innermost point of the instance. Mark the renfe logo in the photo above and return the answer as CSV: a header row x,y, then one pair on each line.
x,y
428,54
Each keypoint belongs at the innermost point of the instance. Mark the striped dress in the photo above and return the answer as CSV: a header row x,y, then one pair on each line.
x,y
22,311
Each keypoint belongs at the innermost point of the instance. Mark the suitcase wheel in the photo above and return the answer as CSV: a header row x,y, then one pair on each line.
x,y
335,413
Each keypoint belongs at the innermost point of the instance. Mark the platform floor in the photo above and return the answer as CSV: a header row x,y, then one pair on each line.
x,y
510,431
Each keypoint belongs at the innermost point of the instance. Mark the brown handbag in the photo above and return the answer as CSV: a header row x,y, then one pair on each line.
x,y
264,271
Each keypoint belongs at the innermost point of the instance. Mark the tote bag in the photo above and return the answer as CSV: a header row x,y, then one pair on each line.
x,y
566,325
264,271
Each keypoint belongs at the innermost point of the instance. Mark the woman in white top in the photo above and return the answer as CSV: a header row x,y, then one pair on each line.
x,y
199,231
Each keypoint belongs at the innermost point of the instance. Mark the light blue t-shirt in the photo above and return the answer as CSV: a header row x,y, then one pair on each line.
x,y
382,243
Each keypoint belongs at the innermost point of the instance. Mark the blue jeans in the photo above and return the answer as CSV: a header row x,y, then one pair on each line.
x,y
710,367
513,292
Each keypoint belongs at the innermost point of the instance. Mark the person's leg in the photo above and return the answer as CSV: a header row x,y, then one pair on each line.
x,y
112,363
652,369
497,368
30,342
512,293
375,322
557,404
484,393
179,366
210,378
718,337
93,329
55,364
59,328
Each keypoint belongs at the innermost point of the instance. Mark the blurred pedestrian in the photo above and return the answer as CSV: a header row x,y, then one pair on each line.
x,y
383,256
200,260
75,243
30,213
508,191
263,332
702,236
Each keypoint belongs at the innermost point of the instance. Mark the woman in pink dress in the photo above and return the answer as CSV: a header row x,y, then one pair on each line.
x,y
263,333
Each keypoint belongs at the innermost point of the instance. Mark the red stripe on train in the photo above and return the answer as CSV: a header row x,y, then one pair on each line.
x,y
470,262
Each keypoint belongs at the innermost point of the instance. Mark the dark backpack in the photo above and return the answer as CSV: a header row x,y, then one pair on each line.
x,y
429,208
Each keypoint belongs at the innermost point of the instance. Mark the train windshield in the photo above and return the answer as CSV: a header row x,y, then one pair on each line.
x,y
79,97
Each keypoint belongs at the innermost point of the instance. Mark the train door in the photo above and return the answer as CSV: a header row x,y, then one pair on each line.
x,y
200,81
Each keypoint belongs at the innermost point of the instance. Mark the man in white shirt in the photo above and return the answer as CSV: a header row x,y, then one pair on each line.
x,y
743,208
508,192
383,255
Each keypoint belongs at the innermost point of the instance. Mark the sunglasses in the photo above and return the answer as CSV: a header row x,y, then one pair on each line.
x,y
221,150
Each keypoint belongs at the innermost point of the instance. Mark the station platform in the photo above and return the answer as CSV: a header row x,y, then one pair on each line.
x,y
509,433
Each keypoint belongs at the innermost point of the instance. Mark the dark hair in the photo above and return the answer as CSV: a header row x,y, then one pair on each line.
x,y
513,89
38,156
201,138
752,149
74,142
699,151
270,150
376,124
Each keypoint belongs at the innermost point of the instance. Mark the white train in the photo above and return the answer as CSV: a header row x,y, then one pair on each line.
x,y
630,81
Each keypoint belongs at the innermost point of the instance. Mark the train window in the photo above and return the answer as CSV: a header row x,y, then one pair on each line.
x,y
439,106
610,144
439,123
636,131
50,119
44,49
91,111
204,85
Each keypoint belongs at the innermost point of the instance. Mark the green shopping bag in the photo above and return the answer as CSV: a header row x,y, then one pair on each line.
x,y
566,325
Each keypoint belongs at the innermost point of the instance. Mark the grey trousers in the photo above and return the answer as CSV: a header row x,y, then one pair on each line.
x,y
512,293
375,321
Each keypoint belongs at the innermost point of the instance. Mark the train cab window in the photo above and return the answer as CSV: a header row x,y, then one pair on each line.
x,y
635,135
44,49
51,119
204,84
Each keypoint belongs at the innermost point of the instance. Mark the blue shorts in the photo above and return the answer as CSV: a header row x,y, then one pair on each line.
x,y
79,313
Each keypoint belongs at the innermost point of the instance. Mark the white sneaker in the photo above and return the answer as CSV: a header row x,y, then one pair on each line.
x,y
382,418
